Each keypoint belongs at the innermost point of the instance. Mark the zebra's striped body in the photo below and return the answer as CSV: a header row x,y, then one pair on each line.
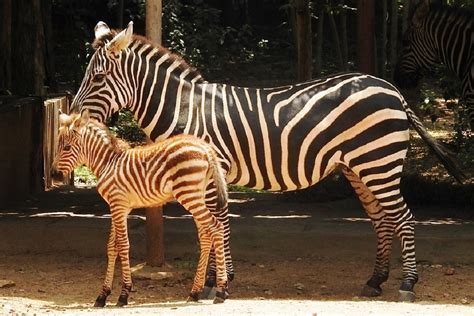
x,y
178,168
278,139
439,34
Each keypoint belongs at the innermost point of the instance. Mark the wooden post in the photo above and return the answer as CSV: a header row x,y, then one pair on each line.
x,y
365,36
304,41
155,248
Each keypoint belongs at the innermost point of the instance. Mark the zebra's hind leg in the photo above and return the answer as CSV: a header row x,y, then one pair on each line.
x,y
205,243
216,231
383,229
112,257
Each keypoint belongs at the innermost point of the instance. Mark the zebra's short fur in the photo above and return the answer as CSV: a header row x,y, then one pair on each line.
x,y
181,168
279,139
439,34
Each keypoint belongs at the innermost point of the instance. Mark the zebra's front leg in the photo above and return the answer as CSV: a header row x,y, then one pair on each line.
x,y
112,257
119,217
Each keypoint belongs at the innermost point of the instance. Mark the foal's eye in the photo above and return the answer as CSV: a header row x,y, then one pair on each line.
x,y
67,147
98,77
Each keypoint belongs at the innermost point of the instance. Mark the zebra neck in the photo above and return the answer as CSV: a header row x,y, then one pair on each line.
x,y
99,150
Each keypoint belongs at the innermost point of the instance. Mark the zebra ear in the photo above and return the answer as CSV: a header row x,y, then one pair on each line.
x,y
421,12
101,29
64,119
121,40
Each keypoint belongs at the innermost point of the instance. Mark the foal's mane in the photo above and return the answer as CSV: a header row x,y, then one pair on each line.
x,y
183,65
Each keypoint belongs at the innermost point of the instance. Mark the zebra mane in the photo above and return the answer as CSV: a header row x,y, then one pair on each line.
x,y
117,144
183,65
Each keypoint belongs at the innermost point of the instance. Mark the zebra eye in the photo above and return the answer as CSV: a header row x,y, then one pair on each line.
x,y
98,77
67,147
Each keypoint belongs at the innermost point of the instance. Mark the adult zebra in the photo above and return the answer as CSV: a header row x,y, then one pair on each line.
x,y
277,139
439,34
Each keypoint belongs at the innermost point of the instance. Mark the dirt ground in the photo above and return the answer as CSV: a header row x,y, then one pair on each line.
x,y
289,257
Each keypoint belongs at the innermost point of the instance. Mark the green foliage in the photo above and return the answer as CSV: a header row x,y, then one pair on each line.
x,y
127,128
83,176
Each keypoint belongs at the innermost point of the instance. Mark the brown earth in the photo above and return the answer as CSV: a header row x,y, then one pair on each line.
x,y
54,252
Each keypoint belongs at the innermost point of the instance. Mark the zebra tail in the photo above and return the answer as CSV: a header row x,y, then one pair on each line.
x,y
443,154
219,181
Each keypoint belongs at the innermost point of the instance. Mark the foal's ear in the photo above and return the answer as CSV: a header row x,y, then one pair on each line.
x,y
121,40
64,119
81,120
421,12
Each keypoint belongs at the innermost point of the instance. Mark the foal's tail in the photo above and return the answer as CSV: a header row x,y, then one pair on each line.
x,y
219,179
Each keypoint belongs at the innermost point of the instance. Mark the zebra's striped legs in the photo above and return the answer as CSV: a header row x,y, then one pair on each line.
x,y
222,216
112,258
386,199
383,229
205,244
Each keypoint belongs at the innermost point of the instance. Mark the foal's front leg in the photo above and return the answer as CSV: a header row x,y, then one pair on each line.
x,y
119,217
112,257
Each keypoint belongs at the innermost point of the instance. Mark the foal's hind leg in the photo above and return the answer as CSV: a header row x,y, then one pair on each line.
x,y
384,230
205,244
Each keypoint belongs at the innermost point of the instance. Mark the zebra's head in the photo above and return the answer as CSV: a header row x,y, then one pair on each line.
x,y
104,89
418,52
68,154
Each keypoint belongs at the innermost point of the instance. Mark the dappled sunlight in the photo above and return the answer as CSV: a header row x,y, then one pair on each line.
x,y
282,216
432,221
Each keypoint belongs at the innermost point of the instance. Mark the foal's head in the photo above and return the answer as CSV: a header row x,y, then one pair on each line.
x,y
68,155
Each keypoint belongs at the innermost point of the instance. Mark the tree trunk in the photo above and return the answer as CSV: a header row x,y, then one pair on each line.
x,y
336,42
49,47
28,48
393,33
120,14
153,20
383,41
365,36
155,245
319,39
304,42
344,49
6,46
407,7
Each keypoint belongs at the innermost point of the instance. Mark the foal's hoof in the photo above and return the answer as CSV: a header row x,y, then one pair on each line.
x,y
407,296
193,297
122,301
208,292
369,291
220,297
100,301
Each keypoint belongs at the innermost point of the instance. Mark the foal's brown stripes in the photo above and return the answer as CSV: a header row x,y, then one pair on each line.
x,y
182,168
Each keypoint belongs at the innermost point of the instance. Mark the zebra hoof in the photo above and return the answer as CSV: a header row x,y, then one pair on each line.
x,y
122,301
193,297
208,292
407,296
369,291
100,301
220,297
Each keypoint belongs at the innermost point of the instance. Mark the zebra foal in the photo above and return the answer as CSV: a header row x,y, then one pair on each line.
x,y
180,168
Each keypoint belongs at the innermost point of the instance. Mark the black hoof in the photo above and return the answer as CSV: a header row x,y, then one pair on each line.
x,y
100,301
122,301
369,291
407,296
220,297
193,297
208,292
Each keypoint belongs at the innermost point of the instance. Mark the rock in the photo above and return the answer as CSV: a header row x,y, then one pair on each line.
x,y
6,284
464,301
145,272
298,259
436,266
268,292
299,286
261,266
449,271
